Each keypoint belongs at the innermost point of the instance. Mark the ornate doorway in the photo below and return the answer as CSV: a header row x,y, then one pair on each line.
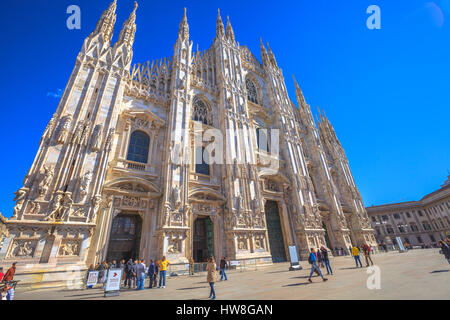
x,y
203,239
275,232
125,237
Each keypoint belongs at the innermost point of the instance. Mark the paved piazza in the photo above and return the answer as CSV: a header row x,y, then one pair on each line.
x,y
417,274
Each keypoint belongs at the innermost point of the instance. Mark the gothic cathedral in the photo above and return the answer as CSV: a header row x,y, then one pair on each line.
x,y
105,183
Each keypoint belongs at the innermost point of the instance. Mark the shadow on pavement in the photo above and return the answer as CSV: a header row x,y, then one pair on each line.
x,y
193,288
438,271
296,284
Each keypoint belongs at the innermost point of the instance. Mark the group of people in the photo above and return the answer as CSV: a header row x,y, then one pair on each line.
x,y
319,259
366,249
135,272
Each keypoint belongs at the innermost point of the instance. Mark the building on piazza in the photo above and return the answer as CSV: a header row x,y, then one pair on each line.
x,y
121,173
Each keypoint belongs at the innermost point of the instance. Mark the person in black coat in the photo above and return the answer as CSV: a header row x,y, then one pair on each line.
x,y
128,273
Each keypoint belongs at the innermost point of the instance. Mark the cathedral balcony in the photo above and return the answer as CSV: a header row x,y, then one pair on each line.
x,y
137,168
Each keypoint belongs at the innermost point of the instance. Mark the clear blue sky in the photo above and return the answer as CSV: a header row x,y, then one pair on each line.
x,y
387,92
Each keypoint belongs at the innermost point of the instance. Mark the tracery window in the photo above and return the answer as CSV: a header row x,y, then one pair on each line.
x,y
251,91
201,112
139,146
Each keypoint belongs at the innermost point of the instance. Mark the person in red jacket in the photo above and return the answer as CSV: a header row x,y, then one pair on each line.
x,y
1,274
9,276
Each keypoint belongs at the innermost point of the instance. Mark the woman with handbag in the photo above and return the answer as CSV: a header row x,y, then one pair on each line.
x,y
211,276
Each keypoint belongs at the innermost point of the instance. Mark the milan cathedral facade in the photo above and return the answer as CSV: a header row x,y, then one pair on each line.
x,y
104,184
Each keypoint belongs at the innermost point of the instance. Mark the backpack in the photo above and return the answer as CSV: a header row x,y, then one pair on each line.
x,y
310,260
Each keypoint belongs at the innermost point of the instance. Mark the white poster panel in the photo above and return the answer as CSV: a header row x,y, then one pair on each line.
x,y
113,280
92,278
235,263
293,254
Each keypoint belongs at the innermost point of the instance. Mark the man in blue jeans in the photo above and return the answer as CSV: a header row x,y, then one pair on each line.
x,y
314,267
355,254
140,273
223,266
326,260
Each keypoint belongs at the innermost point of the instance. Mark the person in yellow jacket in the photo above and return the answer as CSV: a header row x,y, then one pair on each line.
x,y
163,264
355,254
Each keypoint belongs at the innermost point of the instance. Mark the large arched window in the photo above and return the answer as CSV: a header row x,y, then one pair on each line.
x,y
201,113
251,91
138,149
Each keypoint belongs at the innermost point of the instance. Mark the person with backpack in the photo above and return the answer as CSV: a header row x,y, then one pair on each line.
x,y
367,252
355,254
326,260
314,267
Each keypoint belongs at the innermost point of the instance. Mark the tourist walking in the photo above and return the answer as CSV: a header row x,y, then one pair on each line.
x,y
163,264
367,252
9,276
355,254
326,260
319,259
314,267
140,274
151,273
445,250
223,266
128,273
211,276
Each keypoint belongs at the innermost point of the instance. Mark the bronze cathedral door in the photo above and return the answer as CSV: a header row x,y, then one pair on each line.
x,y
125,238
203,239
275,232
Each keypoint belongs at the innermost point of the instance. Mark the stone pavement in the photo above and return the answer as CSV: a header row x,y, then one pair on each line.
x,y
417,274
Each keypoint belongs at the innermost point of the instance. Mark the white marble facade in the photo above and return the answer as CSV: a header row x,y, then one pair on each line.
x,y
83,176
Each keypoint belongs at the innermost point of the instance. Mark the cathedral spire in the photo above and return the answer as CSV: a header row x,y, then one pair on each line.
x,y
264,55
272,57
220,29
183,31
230,32
128,31
105,25
298,92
